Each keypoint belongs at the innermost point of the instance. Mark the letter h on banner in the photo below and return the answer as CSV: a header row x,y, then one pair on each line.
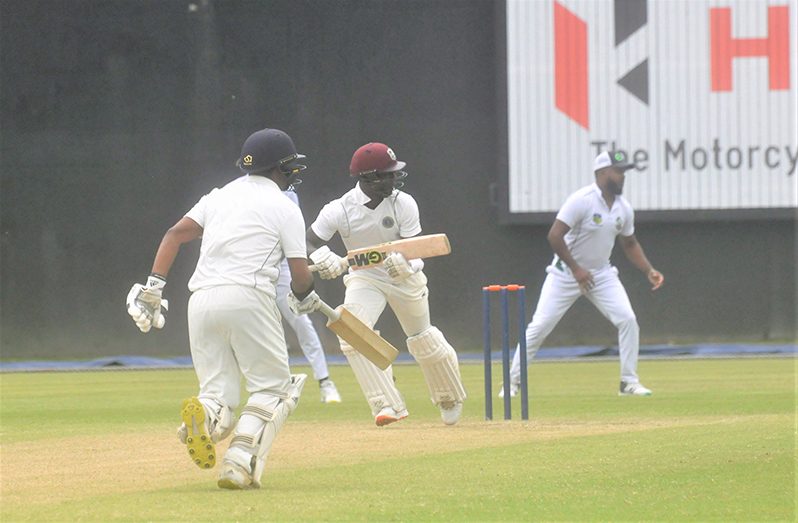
x,y
775,47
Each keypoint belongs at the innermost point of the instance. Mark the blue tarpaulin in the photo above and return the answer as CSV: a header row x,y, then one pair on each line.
x,y
701,350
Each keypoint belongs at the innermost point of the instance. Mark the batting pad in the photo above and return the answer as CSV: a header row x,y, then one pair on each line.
x,y
261,419
377,385
438,362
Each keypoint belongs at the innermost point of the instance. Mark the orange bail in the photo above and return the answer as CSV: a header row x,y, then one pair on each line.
x,y
512,287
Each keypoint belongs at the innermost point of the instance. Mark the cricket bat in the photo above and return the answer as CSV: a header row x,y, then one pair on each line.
x,y
426,246
357,334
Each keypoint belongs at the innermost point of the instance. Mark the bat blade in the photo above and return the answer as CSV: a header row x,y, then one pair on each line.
x,y
426,246
360,336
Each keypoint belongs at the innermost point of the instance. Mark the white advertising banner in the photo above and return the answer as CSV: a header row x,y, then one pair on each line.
x,y
701,94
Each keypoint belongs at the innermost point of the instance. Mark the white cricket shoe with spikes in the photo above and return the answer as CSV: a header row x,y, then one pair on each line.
x,y
451,411
234,477
193,432
388,415
329,393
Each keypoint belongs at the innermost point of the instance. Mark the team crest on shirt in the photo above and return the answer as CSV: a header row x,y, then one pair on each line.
x,y
597,219
618,224
388,222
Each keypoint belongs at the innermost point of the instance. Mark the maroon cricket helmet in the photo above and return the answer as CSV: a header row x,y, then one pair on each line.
x,y
374,157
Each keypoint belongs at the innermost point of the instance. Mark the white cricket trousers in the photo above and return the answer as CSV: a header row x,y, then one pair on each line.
x,y
559,292
235,329
302,325
409,300
366,298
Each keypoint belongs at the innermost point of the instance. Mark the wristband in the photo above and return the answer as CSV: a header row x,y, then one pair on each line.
x,y
156,281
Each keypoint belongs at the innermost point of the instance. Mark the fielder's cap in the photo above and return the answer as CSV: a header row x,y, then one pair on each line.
x,y
266,149
374,157
612,159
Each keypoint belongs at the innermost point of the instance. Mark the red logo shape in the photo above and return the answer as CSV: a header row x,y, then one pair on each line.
x,y
775,47
570,65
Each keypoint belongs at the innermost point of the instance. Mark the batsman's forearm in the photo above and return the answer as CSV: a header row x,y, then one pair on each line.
x,y
301,278
313,242
183,231
165,257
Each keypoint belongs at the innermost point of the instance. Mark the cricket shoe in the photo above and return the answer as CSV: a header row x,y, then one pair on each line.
x,y
388,415
515,387
329,394
234,477
194,434
633,389
451,411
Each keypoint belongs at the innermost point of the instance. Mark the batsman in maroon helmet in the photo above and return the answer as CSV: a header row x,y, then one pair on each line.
x,y
376,211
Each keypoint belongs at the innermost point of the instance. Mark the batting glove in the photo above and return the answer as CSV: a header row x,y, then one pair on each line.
x,y
145,304
328,264
307,305
398,267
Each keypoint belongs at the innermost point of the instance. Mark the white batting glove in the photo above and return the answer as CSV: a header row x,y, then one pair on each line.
x,y
328,264
307,305
398,267
146,305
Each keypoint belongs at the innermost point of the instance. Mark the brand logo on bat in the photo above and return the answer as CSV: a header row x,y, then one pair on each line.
x,y
365,259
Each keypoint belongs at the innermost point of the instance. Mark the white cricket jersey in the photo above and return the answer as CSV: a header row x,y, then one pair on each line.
x,y
594,227
394,218
248,227
292,196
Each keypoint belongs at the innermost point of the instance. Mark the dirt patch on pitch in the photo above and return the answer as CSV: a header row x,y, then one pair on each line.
x,y
55,470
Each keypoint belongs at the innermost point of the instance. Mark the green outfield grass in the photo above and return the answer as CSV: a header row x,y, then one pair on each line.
x,y
716,442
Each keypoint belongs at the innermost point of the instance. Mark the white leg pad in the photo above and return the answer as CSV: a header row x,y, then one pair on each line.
x,y
261,419
438,362
377,385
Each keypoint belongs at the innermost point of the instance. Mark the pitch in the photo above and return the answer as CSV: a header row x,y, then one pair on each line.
x,y
715,442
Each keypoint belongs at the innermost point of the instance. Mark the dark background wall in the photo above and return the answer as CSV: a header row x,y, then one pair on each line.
x,y
118,115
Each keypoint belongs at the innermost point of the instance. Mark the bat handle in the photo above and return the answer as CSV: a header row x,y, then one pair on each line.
x,y
328,311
